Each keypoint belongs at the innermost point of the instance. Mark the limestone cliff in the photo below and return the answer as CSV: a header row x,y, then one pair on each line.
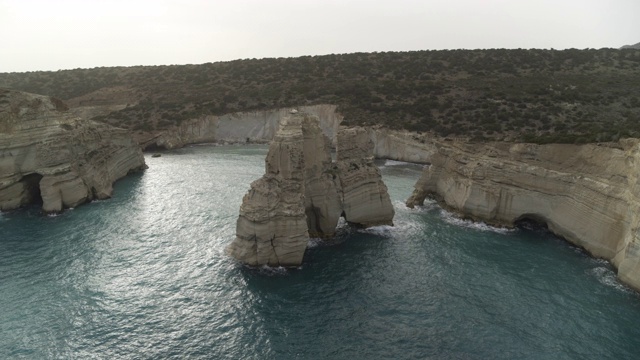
x,y
257,126
48,153
304,194
402,145
261,127
588,194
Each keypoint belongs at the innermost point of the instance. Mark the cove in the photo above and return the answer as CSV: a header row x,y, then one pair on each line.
x,y
144,275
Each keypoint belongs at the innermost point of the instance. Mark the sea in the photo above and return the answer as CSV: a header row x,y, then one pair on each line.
x,y
143,275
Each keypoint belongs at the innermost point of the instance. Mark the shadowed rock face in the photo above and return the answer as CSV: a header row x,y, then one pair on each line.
x,y
365,200
588,194
49,155
303,193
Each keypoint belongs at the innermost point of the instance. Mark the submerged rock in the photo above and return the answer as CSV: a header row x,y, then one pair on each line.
x,y
303,193
49,155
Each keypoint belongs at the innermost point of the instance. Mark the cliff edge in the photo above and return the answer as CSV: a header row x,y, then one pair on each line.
x,y
303,193
49,155
587,194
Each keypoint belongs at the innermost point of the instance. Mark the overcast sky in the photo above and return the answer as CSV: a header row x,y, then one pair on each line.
x,y
67,34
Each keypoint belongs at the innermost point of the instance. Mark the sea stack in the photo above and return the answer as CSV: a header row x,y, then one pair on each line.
x,y
303,193
47,154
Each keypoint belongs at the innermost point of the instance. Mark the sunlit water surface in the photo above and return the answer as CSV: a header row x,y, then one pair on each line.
x,y
144,276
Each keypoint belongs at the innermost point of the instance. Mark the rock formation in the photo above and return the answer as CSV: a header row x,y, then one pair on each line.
x,y
365,200
402,145
588,194
303,193
255,126
261,127
49,154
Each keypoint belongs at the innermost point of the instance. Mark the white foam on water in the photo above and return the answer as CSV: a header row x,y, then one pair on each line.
x,y
452,219
314,242
608,277
382,230
272,270
427,206
600,261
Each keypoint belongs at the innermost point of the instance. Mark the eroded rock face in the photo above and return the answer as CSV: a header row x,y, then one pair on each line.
x,y
303,193
402,145
254,126
48,153
322,200
365,199
588,194
272,226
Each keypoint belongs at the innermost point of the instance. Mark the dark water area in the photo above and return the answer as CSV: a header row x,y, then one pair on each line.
x,y
144,276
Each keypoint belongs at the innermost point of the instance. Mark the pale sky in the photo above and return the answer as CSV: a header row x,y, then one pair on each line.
x,y
67,34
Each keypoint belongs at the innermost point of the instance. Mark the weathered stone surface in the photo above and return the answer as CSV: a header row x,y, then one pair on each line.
x,y
254,126
304,194
46,152
272,228
322,200
261,127
588,194
402,145
365,199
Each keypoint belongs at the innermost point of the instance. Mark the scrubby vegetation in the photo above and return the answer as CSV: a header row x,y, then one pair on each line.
x,y
532,95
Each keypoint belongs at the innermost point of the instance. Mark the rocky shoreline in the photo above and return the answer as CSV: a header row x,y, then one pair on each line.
x,y
587,194
591,202
48,155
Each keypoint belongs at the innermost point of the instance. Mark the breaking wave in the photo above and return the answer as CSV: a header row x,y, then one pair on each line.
x,y
270,270
382,230
428,205
452,219
314,242
607,276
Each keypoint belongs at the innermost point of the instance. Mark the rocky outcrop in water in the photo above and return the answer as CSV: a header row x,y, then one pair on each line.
x,y
365,200
588,194
48,154
303,193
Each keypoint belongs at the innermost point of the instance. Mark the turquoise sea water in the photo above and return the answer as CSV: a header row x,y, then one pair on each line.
x,y
144,276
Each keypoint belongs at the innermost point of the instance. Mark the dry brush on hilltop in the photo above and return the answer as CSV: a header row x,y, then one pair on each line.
x,y
570,96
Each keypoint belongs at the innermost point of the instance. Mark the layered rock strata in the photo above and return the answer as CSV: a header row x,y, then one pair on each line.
x,y
261,127
402,145
47,154
303,193
365,200
588,194
254,127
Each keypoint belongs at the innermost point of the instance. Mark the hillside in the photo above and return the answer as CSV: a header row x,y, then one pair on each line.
x,y
635,46
527,95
